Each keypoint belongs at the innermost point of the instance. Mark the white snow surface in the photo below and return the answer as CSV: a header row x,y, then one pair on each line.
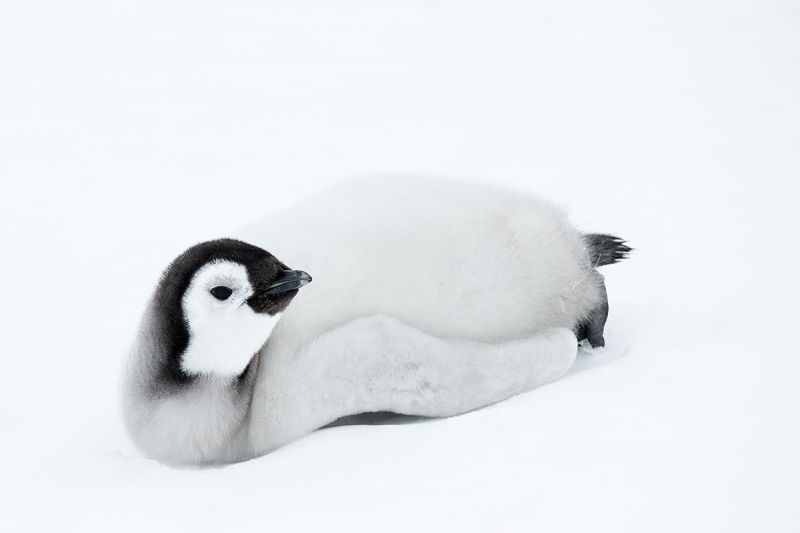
x,y
132,130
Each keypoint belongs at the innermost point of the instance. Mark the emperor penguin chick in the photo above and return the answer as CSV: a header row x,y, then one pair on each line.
x,y
430,298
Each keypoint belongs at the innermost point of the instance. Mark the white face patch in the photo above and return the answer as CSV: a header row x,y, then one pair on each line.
x,y
223,334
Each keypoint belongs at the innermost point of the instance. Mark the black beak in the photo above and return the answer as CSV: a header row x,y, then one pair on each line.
x,y
291,280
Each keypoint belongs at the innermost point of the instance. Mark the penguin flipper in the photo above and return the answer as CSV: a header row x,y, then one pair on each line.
x,y
379,364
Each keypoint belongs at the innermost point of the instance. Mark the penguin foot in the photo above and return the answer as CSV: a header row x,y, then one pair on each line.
x,y
591,328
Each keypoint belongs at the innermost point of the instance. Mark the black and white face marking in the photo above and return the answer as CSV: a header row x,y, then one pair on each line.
x,y
224,332
216,306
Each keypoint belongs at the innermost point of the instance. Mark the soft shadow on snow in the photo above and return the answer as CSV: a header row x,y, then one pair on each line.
x,y
589,358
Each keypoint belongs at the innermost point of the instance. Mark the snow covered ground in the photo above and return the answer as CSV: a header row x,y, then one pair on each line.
x,y
131,130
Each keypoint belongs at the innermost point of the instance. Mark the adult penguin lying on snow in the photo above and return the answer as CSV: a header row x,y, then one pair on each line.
x,y
430,298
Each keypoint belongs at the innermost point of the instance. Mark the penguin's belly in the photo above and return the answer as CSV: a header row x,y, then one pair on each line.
x,y
455,260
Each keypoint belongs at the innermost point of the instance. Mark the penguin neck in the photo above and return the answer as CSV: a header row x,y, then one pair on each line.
x,y
226,347
204,415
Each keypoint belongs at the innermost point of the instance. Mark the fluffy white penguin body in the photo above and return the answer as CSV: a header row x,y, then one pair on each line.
x,y
430,297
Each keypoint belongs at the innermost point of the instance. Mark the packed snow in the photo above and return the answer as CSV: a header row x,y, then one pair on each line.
x,y
131,130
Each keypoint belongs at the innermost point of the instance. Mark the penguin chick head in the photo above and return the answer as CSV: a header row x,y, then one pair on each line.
x,y
219,301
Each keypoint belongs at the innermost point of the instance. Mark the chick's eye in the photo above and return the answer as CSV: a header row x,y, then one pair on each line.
x,y
221,293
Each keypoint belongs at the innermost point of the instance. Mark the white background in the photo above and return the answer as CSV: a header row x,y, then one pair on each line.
x,y
132,130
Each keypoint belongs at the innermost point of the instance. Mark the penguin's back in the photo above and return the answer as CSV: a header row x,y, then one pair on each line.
x,y
454,259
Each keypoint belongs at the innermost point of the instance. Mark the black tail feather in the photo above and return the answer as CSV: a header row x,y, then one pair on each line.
x,y
605,249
